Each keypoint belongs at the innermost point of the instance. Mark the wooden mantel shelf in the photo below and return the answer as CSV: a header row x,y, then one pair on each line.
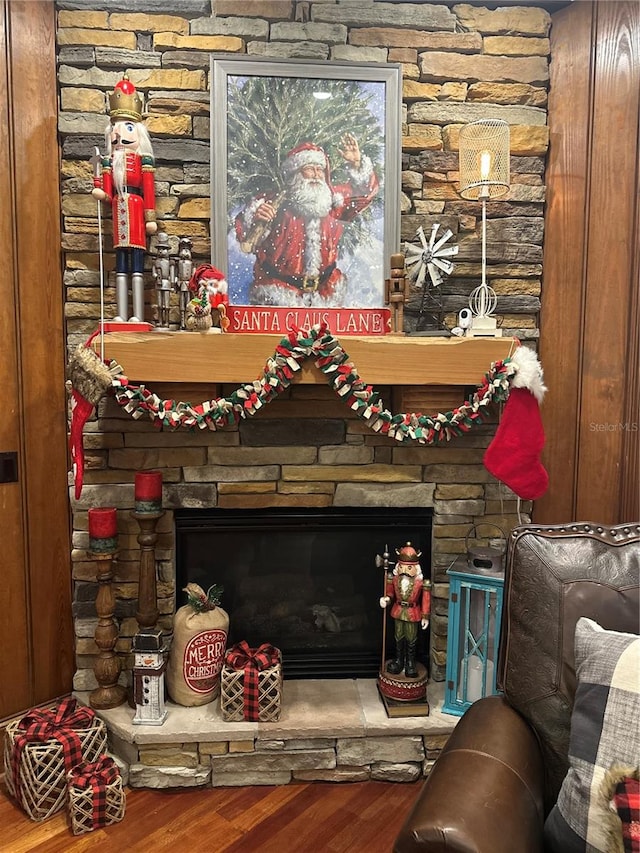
x,y
387,360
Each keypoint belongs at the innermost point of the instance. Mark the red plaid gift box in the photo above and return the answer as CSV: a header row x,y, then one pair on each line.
x,y
96,797
251,684
42,747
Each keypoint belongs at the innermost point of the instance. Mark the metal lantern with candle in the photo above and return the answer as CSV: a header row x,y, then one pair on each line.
x,y
484,174
476,584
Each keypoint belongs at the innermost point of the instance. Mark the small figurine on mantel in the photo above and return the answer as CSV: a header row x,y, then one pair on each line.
x,y
185,271
164,274
404,679
397,293
127,181
209,286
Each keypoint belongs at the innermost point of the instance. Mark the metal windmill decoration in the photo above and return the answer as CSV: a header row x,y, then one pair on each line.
x,y
427,264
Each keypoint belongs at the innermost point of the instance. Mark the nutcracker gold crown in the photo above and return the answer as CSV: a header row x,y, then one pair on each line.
x,y
125,102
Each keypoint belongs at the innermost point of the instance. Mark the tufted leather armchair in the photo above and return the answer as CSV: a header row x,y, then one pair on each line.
x,y
502,768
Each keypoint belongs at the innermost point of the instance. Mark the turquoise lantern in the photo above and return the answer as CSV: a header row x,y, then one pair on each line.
x,y
475,610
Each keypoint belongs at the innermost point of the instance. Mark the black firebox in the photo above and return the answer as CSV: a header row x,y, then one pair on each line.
x,y
304,579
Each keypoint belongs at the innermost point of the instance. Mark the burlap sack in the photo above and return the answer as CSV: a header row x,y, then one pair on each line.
x,y
200,631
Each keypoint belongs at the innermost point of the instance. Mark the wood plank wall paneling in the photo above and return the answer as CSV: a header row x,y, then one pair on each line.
x,y
32,98
15,676
614,156
562,305
630,487
589,286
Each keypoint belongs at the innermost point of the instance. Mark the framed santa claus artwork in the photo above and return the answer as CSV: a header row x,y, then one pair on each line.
x,y
305,169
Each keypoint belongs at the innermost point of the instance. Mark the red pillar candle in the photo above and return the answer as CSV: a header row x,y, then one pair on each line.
x,y
148,491
103,530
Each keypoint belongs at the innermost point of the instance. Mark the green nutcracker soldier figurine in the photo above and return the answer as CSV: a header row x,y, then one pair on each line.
x,y
410,595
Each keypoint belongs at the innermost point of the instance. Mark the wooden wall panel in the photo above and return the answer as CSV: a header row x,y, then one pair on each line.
x,y
564,251
15,674
589,339
614,158
630,487
41,597
35,117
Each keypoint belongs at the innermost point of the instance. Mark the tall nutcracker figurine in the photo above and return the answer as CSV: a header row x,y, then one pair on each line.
x,y
409,593
127,181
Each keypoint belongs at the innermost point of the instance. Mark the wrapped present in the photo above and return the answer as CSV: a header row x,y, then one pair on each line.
x,y
96,796
251,684
42,747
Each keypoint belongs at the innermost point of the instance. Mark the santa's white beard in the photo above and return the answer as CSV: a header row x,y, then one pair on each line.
x,y
119,170
310,198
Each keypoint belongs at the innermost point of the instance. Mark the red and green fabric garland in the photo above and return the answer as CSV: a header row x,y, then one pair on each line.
x,y
319,344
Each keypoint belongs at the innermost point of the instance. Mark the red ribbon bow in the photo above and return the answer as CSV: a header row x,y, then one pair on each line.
x,y
43,724
96,776
252,661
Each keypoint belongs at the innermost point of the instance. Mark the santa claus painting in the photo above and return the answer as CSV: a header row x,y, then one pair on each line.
x,y
295,234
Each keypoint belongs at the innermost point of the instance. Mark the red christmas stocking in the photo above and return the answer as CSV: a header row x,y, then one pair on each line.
x,y
90,378
513,457
81,411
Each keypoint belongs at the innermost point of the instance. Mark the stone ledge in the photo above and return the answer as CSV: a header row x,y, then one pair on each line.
x,y
329,730
311,708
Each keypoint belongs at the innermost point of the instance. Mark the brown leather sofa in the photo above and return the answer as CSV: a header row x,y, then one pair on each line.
x,y
502,768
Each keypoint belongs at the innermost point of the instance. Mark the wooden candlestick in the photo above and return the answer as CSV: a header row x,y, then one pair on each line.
x,y
147,614
107,667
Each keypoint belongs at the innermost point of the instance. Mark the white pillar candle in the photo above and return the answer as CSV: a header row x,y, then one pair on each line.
x,y
474,678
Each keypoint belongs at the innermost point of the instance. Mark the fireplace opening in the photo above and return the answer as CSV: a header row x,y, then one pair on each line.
x,y
304,580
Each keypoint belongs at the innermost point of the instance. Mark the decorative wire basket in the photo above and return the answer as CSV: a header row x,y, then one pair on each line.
x,y
81,805
269,694
41,787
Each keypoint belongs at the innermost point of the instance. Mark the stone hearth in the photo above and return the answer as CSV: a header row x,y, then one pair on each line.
x,y
335,731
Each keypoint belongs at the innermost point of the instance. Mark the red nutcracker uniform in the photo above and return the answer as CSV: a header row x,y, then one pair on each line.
x,y
410,593
130,210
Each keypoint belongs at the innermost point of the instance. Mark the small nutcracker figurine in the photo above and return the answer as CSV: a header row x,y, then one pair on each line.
x,y
185,271
127,182
397,292
409,593
163,270
148,677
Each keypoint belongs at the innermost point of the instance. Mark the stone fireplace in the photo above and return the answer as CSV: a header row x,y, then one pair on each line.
x,y
303,455
304,451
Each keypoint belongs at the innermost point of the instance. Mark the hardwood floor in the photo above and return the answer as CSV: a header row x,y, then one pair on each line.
x,y
317,817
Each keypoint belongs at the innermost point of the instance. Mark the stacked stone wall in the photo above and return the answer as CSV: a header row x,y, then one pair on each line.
x,y
269,761
459,63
